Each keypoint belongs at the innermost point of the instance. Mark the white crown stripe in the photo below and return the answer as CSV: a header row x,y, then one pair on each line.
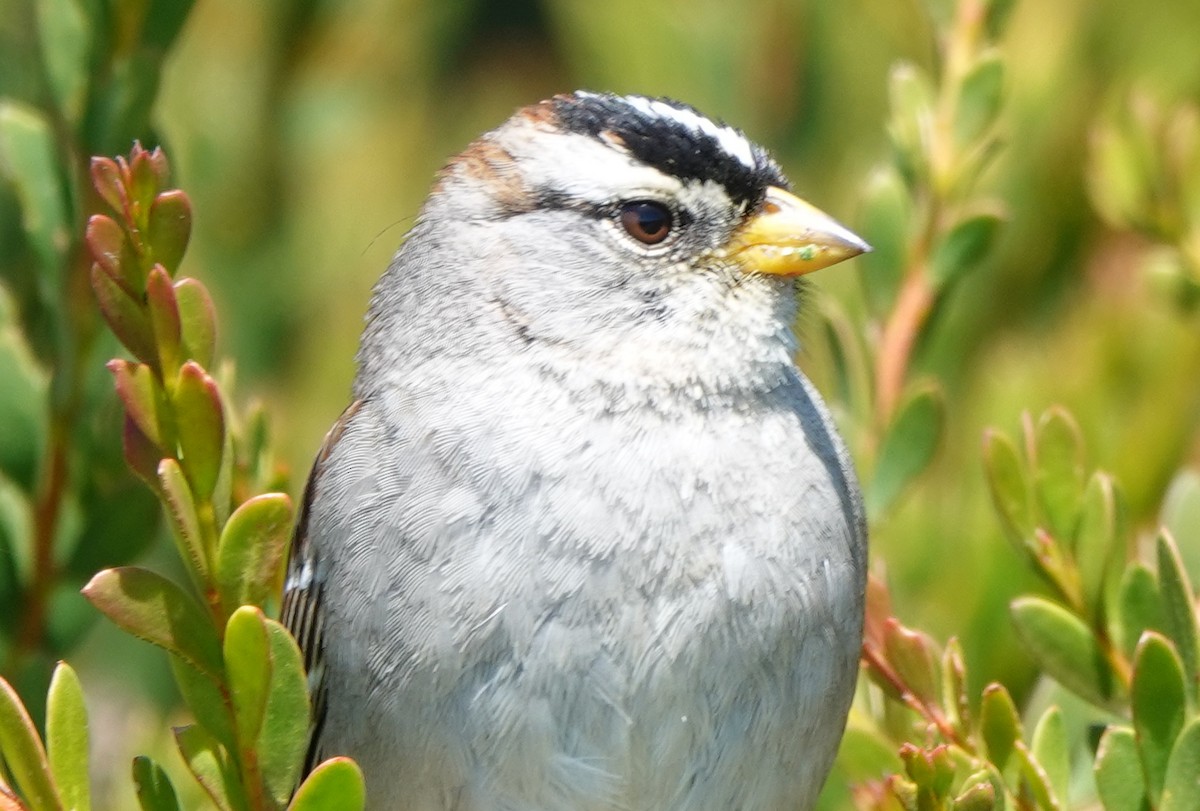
x,y
730,139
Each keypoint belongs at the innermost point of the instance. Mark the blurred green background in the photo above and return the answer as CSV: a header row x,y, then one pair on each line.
x,y
307,135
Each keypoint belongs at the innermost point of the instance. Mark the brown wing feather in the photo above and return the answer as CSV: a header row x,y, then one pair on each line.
x,y
302,590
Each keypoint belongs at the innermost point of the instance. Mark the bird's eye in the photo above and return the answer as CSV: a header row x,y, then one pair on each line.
x,y
646,221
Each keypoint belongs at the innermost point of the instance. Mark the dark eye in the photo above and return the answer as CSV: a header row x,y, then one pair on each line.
x,y
646,221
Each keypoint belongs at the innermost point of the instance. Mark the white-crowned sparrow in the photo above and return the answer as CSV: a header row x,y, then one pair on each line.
x,y
586,539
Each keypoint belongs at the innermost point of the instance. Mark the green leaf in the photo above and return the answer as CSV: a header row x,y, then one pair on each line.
x,y
865,753
1139,607
65,38
999,724
201,428
980,796
1119,780
169,228
1159,699
963,247
284,737
335,785
144,185
208,765
205,699
1009,486
1051,751
181,509
23,411
979,99
886,220
1179,603
1181,790
253,545
911,98
1059,471
907,448
154,789
153,608
23,754
1098,537
1036,780
954,687
1066,649
248,665
996,15
197,320
29,157
67,738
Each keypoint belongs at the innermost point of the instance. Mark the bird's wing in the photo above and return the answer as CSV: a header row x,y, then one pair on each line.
x,y
302,590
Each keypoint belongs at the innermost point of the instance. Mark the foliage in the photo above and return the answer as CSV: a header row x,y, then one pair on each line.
x,y
240,673
1036,230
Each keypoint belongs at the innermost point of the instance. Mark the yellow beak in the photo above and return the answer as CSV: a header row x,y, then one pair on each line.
x,y
789,237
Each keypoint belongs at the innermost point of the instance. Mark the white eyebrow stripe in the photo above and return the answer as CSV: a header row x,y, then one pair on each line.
x,y
729,139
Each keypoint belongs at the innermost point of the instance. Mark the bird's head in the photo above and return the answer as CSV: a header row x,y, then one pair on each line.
x,y
624,227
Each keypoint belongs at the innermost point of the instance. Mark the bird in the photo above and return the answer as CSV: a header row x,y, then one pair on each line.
x,y
586,538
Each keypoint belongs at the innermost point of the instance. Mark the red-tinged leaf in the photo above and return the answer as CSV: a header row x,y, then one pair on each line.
x,y
253,544
23,754
335,785
912,655
164,318
144,400
141,454
153,608
201,428
9,801
107,180
181,509
168,228
125,316
208,764
107,246
159,165
879,610
197,320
